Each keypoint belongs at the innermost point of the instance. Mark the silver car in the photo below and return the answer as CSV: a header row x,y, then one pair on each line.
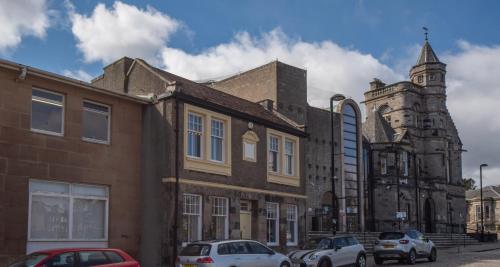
x,y
342,250
403,246
230,253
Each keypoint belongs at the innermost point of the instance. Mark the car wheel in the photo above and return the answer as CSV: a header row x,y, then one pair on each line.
x,y
433,256
361,260
378,260
325,263
412,257
285,264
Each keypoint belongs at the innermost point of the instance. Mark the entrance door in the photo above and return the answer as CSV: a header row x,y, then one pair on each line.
x,y
429,216
246,219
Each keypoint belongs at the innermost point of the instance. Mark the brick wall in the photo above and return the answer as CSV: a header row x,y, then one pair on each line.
x,y
25,154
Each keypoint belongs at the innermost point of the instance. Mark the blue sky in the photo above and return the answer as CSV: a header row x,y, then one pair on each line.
x,y
342,44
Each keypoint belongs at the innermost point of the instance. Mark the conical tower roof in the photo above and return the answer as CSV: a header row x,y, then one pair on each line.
x,y
427,55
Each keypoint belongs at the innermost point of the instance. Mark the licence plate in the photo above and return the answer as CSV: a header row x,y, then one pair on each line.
x,y
189,265
388,246
389,256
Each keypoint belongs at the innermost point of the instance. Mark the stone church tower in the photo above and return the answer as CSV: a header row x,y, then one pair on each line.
x,y
414,151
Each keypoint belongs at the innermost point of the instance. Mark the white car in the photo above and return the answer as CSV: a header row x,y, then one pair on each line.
x,y
230,253
403,246
334,251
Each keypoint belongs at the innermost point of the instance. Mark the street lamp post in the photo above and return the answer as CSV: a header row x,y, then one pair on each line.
x,y
481,191
336,97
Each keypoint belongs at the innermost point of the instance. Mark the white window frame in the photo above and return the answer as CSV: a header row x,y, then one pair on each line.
x,y
223,139
50,102
200,199
278,154
84,109
383,165
478,212
70,211
292,157
294,218
225,214
201,133
404,157
277,219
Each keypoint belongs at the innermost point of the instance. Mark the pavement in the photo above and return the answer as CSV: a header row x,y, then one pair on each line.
x,y
482,255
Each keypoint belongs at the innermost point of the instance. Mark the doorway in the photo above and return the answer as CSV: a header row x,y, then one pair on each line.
x,y
429,216
246,219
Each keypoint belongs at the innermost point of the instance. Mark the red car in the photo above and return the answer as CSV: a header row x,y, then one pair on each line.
x,y
77,257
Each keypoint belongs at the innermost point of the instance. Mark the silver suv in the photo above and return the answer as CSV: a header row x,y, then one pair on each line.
x,y
342,250
228,253
403,246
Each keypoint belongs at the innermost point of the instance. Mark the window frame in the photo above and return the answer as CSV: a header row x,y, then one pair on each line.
x,y
201,134
277,222
383,165
92,140
278,154
70,210
223,139
281,176
226,219
63,111
200,216
285,157
295,227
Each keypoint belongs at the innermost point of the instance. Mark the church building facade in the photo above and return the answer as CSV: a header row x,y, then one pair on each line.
x,y
415,153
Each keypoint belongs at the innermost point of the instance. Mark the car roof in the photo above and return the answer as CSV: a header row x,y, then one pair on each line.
x,y
216,242
63,250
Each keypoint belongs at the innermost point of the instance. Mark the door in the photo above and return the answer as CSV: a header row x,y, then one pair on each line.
x,y
246,219
340,252
264,257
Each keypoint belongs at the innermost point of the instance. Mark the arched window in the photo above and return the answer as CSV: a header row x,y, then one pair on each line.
x,y
350,145
385,111
417,121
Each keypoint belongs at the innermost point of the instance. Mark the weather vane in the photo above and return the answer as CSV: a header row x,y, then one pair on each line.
x,y
426,32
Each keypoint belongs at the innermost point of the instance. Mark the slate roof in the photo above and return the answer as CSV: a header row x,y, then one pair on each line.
x,y
378,130
427,55
208,94
488,192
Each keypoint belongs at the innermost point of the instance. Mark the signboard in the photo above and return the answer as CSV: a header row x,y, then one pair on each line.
x,y
401,215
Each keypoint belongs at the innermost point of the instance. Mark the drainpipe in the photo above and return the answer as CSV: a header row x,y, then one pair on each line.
x,y
176,201
417,194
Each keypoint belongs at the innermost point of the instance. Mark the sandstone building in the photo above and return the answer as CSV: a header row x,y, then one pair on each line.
x,y
69,164
415,152
491,209
285,87
235,166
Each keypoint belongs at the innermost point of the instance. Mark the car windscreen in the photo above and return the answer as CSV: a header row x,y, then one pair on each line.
x,y
318,243
196,250
29,260
391,236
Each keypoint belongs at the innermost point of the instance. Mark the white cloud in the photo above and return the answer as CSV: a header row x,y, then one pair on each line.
x,y
330,68
22,18
474,102
79,75
121,30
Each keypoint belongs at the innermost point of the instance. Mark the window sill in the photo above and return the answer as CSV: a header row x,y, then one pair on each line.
x,y
272,244
279,178
292,244
95,141
47,132
208,166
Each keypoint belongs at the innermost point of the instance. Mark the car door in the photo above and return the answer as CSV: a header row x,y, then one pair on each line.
x,y
92,258
61,260
226,255
352,249
242,255
426,245
340,255
264,257
421,244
